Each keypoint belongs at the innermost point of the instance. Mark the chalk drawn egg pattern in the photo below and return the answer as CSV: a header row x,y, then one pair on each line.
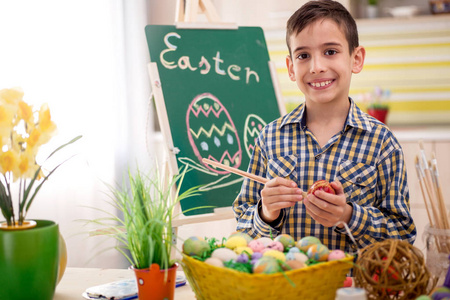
x,y
252,127
212,133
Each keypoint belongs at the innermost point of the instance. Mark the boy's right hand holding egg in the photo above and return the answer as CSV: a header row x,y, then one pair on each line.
x,y
278,193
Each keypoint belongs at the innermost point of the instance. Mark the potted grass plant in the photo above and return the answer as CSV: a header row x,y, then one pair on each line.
x,y
144,233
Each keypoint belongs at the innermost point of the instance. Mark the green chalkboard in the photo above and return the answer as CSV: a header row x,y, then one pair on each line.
x,y
218,94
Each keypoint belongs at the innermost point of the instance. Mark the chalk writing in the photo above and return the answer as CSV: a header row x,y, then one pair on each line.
x,y
204,65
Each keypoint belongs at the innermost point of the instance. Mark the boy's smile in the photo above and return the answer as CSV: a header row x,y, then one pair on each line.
x,y
321,63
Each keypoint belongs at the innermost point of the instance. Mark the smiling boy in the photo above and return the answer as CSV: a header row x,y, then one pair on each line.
x,y
326,138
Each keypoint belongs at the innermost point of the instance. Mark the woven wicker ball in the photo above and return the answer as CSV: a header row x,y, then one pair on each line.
x,y
392,269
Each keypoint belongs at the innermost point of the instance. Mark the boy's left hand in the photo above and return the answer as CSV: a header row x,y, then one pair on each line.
x,y
328,209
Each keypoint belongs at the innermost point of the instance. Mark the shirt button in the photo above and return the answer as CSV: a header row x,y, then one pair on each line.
x,y
358,179
318,157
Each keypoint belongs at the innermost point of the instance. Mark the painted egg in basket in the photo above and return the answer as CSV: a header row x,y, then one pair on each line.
x,y
212,133
318,252
266,265
306,242
195,246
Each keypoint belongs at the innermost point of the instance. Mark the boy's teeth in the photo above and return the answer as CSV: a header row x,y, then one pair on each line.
x,y
319,84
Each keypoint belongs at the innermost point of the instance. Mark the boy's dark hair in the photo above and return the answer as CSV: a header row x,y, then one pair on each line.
x,y
323,9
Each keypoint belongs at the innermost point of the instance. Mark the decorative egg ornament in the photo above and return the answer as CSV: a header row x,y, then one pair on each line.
x,y
336,255
318,252
286,240
321,185
224,254
235,242
212,133
241,234
195,246
266,265
306,242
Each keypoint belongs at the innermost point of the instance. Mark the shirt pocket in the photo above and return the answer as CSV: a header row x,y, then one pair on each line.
x,y
284,166
358,180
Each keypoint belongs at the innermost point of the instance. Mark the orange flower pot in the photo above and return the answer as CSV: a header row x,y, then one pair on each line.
x,y
152,284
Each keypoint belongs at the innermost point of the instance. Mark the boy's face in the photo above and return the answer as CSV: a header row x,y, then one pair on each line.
x,y
321,63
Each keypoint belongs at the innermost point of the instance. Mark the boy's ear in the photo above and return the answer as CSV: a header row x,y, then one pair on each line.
x,y
290,67
359,54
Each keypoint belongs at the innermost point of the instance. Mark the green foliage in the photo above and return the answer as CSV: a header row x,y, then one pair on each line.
x,y
373,2
147,207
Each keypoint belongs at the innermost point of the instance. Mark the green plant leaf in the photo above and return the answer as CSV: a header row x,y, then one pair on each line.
x,y
6,204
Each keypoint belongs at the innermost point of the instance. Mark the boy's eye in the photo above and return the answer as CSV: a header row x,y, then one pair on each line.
x,y
330,52
302,56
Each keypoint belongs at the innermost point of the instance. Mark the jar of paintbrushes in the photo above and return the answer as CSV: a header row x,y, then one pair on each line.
x,y
437,232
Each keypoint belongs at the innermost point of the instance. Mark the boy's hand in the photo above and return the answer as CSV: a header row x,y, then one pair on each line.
x,y
278,193
328,209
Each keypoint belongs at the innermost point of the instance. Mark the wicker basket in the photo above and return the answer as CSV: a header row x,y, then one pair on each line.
x,y
314,282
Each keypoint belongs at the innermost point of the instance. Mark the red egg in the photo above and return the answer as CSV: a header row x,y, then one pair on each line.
x,y
321,185
212,133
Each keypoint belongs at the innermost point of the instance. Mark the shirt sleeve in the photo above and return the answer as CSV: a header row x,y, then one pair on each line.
x,y
389,216
247,204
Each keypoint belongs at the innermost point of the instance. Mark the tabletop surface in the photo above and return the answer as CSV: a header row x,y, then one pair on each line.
x,y
76,280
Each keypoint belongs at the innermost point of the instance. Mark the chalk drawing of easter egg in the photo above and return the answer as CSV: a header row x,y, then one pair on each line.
x,y
252,127
212,133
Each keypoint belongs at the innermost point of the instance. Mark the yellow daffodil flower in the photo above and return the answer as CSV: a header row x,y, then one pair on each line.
x,y
9,161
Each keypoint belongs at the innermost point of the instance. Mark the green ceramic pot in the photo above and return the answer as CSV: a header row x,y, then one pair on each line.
x,y
29,262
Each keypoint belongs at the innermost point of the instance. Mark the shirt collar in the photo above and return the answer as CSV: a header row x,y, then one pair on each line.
x,y
355,118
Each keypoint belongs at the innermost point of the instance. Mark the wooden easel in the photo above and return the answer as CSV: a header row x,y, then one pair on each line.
x,y
187,12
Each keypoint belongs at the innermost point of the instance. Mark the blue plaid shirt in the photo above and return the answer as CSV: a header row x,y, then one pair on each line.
x,y
365,157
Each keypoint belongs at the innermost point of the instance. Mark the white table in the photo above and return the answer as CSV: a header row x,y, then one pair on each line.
x,y
76,280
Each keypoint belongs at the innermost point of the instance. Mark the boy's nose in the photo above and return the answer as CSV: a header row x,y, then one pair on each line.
x,y
317,66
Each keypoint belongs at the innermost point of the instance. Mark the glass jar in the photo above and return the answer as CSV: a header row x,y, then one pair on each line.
x,y
437,243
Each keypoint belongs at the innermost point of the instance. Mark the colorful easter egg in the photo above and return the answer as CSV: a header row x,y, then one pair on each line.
x,y
336,255
266,265
224,254
243,249
301,257
286,240
252,127
321,185
212,133
242,258
256,246
294,265
235,241
306,242
275,254
294,250
318,252
275,246
214,261
265,240
195,246
243,235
